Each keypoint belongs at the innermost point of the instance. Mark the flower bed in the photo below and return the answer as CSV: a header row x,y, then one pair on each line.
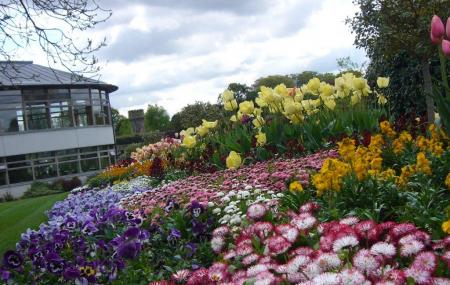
x,y
269,175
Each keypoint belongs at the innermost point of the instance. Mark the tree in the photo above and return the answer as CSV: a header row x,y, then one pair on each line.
x,y
156,118
51,25
273,80
387,28
124,127
192,115
241,92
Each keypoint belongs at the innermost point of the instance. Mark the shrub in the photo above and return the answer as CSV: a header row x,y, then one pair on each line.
x,y
38,188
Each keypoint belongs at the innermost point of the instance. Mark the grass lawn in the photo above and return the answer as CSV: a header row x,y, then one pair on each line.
x,y
17,216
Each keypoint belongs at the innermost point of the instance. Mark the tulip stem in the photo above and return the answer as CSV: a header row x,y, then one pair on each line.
x,y
444,72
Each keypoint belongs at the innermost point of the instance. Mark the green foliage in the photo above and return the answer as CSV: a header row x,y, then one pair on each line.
x,y
38,188
241,92
192,115
156,118
305,76
164,255
273,80
145,138
124,127
395,35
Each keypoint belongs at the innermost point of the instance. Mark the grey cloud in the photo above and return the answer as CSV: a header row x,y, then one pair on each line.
x,y
238,7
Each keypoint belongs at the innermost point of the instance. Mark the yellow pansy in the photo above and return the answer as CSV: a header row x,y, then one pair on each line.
x,y
295,186
246,107
446,227
233,160
189,141
261,138
383,82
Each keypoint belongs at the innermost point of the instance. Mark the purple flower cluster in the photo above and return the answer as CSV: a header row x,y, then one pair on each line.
x,y
87,239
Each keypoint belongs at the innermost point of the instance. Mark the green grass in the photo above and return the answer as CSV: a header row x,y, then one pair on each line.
x,y
17,216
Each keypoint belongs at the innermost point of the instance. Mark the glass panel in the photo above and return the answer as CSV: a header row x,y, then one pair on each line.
x,y
98,115
104,162
11,121
66,151
80,94
60,115
17,157
69,157
88,155
35,95
106,114
44,161
20,175
58,94
38,116
68,168
10,92
46,171
83,115
95,95
89,165
88,149
2,177
19,164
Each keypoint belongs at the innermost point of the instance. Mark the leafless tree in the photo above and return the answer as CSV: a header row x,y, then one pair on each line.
x,y
51,25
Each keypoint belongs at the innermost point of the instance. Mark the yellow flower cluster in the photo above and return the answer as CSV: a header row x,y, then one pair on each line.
x,y
386,129
329,178
398,145
189,135
446,227
433,144
295,186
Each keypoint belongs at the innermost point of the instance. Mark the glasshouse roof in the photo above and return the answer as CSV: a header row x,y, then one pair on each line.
x,y
14,74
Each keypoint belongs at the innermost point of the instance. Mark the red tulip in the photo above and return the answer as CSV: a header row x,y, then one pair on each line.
x,y
446,47
437,30
448,28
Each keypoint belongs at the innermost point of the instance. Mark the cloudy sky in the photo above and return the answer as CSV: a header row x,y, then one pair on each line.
x,y
176,52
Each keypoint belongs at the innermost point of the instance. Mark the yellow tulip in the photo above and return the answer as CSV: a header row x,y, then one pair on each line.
x,y
230,105
209,125
189,141
326,90
313,85
258,122
382,100
257,112
233,160
227,95
383,82
187,132
202,130
330,103
261,138
233,118
291,107
281,90
355,99
246,107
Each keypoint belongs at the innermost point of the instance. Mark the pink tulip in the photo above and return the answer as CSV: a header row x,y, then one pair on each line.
x,y
448,28
437,30
446,48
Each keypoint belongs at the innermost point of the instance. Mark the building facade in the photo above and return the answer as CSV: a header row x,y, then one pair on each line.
x,y
52,125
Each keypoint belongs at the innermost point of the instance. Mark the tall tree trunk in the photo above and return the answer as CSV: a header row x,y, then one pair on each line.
x,y
428,88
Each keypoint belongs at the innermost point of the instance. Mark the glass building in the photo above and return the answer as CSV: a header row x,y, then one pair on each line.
x,y
52,125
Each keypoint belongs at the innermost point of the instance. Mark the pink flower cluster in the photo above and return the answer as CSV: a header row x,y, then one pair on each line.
x,y
349,251
267,175
160,149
